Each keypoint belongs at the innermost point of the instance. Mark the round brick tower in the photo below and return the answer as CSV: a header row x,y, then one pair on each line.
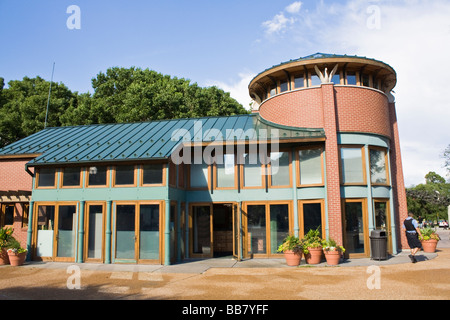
x,y
350,98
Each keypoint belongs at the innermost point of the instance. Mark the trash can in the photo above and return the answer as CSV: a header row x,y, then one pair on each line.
x,y
378,245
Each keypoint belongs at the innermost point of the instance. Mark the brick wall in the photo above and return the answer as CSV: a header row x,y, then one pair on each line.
x,y
13,177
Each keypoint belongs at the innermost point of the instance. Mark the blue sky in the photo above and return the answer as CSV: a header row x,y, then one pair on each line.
x,y
226,43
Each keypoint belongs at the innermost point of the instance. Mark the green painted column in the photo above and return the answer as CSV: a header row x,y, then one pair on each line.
x,y
108,233
167,233
30,230
178,233
80,233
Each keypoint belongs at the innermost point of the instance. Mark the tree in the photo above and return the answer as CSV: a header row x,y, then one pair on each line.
x,y
24,104
429,200
134,95
446,156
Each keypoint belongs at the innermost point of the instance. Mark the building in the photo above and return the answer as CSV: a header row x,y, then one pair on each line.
x,y
320,150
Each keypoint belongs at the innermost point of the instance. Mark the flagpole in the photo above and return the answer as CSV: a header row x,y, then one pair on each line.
x,y
48,100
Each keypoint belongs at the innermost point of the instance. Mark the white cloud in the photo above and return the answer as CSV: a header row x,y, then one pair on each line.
x,y
279,23
294,7
237,89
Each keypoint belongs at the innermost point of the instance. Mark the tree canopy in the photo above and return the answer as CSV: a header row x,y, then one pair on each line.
x,y
120,95
429,200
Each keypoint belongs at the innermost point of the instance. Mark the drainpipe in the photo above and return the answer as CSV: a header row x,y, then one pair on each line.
x,y
108,232
81,233
30,230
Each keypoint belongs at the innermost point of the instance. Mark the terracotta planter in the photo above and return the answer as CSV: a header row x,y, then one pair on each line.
x,y
429,245
17,259
4,259
332,257
314,256
292,258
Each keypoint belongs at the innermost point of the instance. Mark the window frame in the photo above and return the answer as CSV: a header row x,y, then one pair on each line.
x,y
163,172
55,178
386,163
301,220
215,180
61,178
269,171
115,185
242,177
297,155
363,168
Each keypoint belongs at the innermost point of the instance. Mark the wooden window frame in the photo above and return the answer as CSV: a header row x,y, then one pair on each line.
x,y
124,185
363,168
188,174
298,172
365,217
141,175
61,178
242,177
269,171
301,224
386,162
86,231
236,168
244,226
55,183
108,171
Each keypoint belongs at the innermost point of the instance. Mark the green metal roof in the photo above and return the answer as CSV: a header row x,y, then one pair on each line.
x,y
144,140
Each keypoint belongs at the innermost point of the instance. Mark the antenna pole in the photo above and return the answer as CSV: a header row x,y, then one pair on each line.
x,y
48,100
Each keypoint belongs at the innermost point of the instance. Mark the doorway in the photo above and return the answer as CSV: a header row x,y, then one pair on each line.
x,y
212,230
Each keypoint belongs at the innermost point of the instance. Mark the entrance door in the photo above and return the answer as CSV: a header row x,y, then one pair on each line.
x,y
138,233
382,219
201,231
355,225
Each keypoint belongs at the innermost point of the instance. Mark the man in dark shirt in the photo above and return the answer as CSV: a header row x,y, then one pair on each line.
x,y
412,235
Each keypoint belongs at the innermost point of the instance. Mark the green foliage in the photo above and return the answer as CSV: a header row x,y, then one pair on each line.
x,y
331,245
6,238
290,243
120,95
312,240
429,200
428,233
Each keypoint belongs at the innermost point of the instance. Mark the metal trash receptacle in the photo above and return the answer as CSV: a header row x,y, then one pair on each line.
x,y
378,245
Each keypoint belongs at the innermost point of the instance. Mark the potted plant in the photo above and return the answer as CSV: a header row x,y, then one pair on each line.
x,y
292,249
312,247
332,251
429,239
17,256
5,241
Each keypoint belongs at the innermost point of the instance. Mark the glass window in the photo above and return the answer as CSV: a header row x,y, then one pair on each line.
x,y
283,86
365,80
279,225
253,170
312,217
315,80
8,211
381,215
225,172
71,177
95,231
97,176
310,166
124,175
378,173
354,227
256,227
66,231
45,227
351,78
152,173
299,82
46,177
279,169
199,175
351,165
125,231
273,91
149,231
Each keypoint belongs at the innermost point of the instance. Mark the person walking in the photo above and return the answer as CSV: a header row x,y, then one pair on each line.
x,y
412,235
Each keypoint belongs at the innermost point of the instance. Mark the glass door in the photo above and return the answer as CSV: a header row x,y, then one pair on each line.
x,y
125,248
94,232
382,219
44,235
149,240
65,232
201,235
355,226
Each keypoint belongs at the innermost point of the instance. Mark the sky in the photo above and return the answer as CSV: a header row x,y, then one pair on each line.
x,y
227,43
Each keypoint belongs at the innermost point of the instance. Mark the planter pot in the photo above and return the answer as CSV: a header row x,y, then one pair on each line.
x,y
314,256
332,257
292,258
429,245
17,259
4,259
